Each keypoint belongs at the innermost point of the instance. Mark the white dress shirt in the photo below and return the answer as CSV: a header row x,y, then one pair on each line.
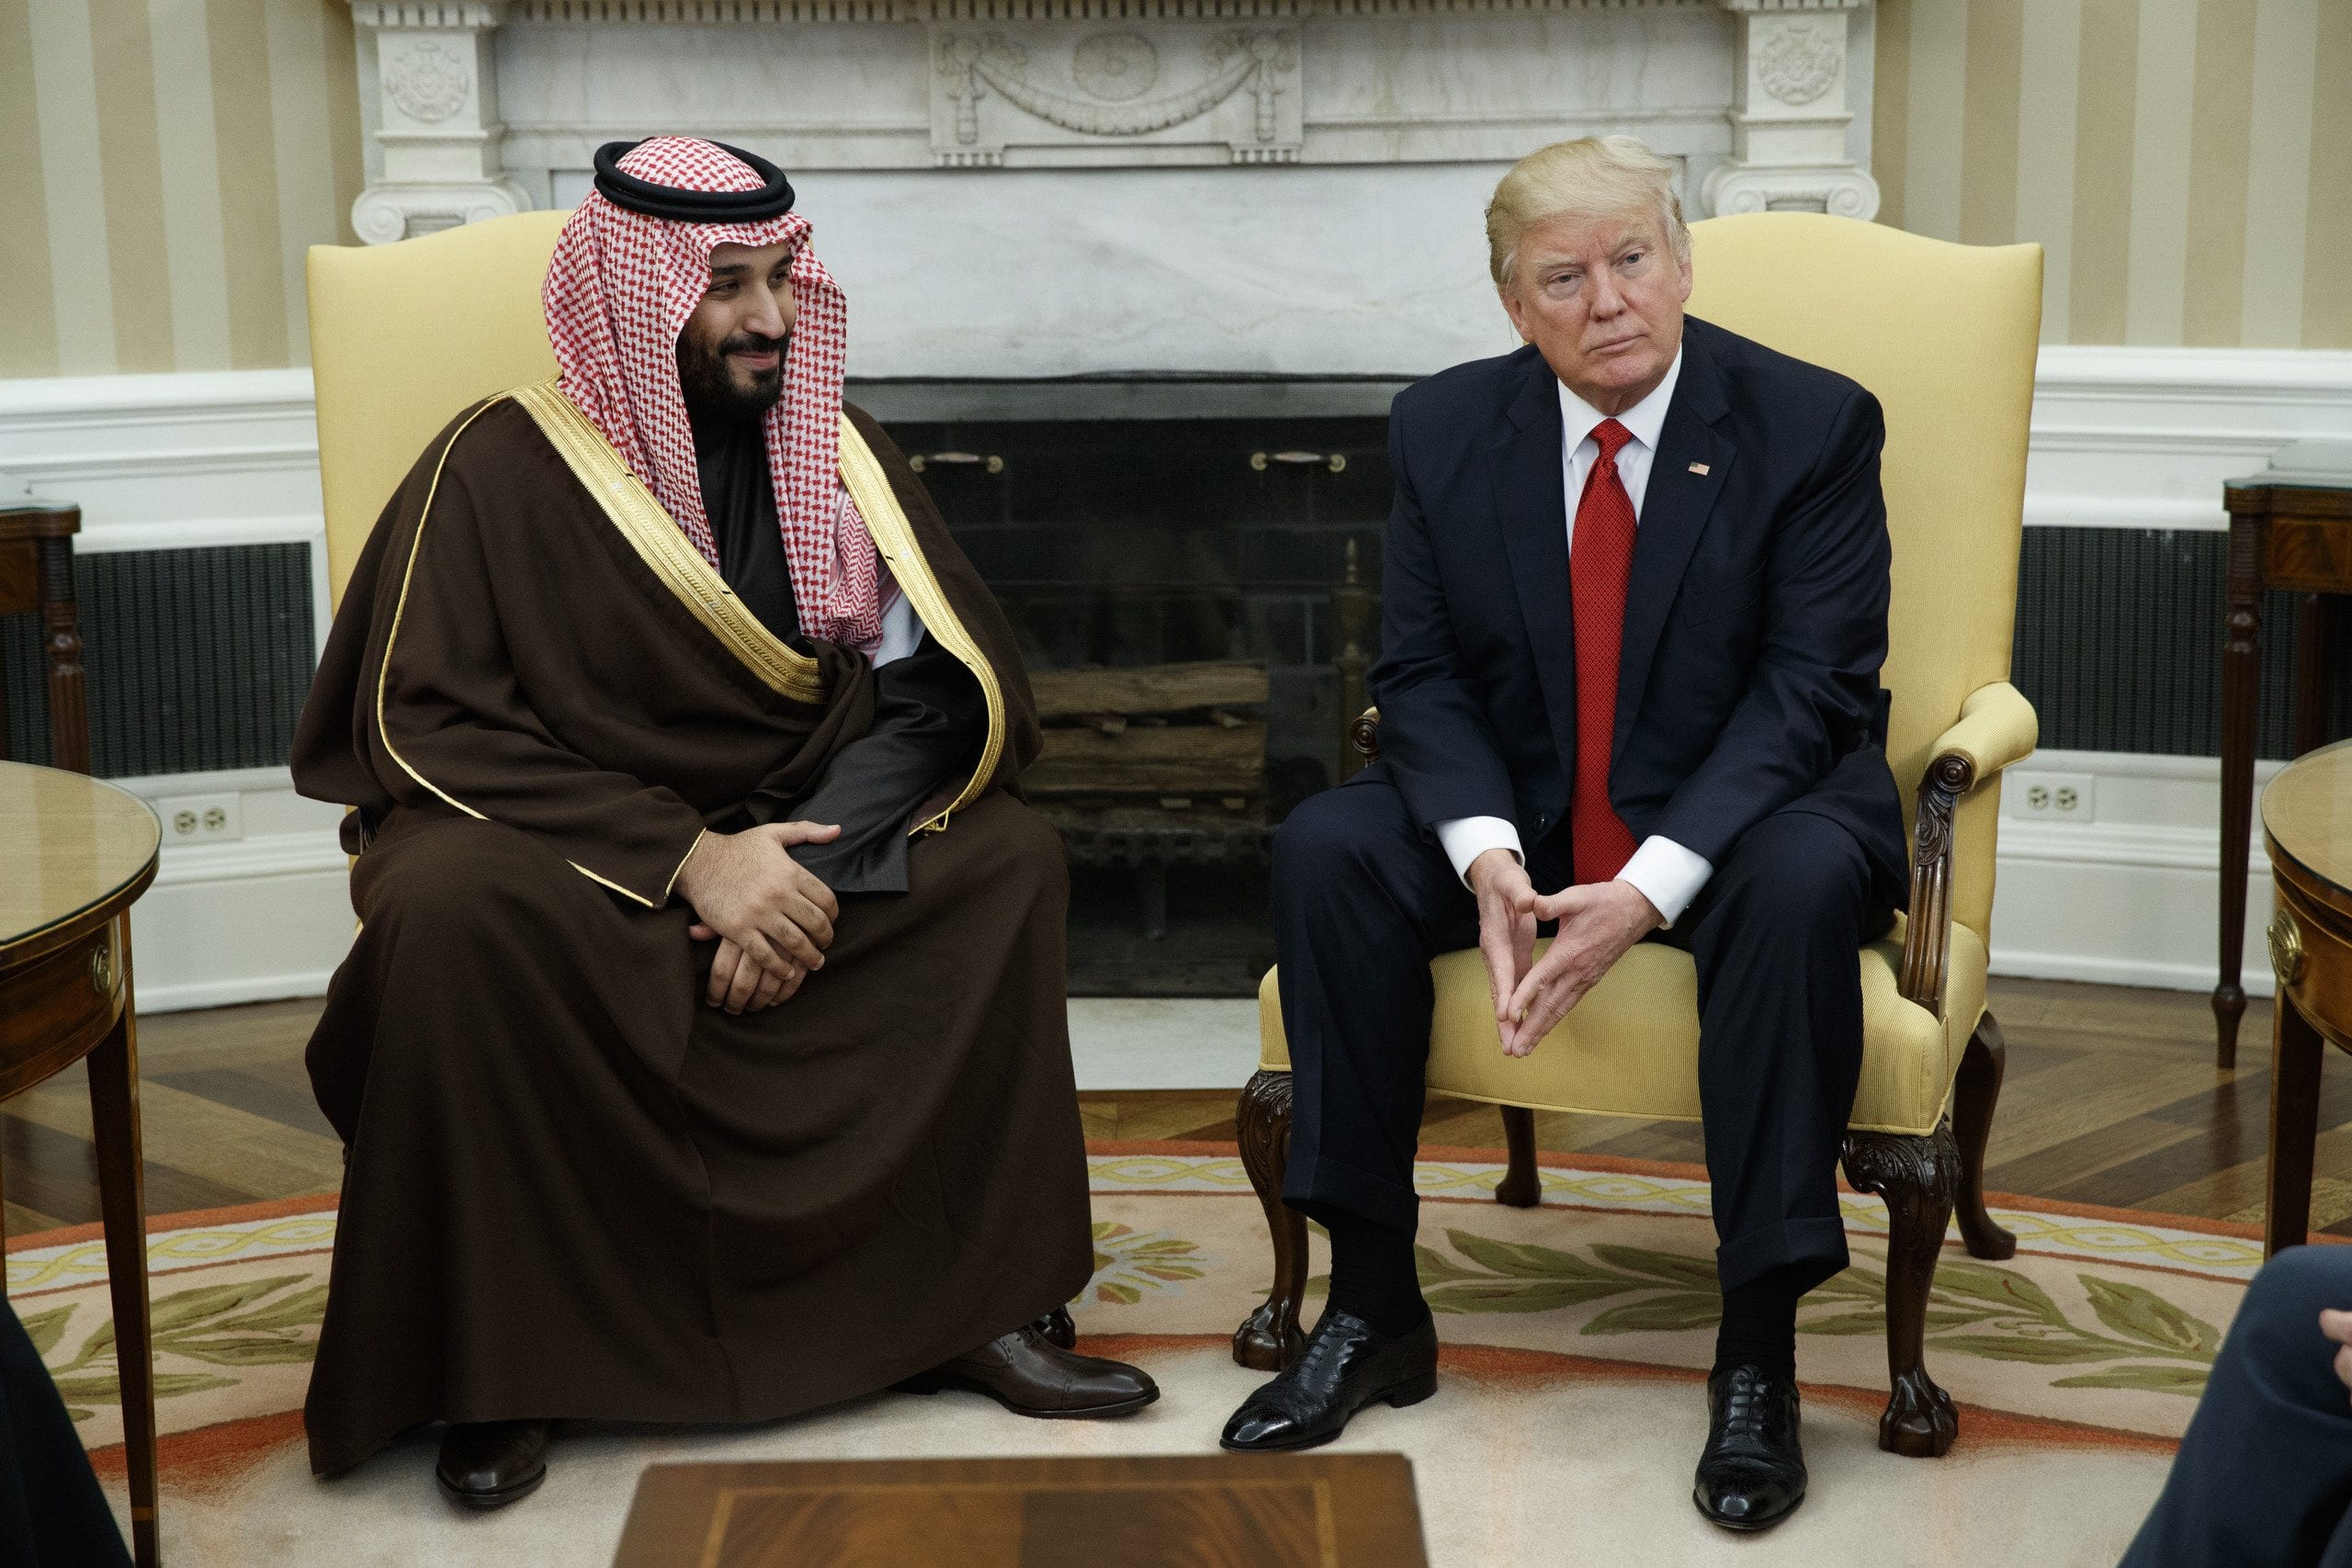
x,y
902,629
1662,871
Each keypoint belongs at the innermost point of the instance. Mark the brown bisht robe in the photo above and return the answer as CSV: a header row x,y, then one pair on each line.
x,y
575,1189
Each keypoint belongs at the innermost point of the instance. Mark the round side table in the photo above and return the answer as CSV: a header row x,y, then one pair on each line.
x,y
75,854
2307,827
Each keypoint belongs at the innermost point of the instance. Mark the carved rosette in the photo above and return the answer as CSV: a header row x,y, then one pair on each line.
x,y
1199,93
1115,67
1801,62
426,79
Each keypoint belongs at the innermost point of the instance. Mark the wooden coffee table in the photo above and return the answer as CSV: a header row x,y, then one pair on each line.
x,y
2307,827
74,854
1203,1511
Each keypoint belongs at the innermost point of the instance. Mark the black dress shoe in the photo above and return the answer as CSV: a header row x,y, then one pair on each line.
x,y
488,1464
1030,1376
1057,1329
1344,1367
1751,1473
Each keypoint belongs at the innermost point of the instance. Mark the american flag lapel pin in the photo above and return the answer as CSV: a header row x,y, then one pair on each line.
x,y
1699,468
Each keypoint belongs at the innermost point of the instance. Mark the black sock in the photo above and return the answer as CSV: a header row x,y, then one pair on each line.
x,y
1760,1325
1373,1275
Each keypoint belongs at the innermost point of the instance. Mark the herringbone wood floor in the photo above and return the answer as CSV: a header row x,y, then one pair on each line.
x,y
2112,1097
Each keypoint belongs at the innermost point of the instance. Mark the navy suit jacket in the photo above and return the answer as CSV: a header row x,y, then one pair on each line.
x,y
1755,616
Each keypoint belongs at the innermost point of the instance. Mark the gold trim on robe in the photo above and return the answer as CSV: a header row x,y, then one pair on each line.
x,y
663,546
399,606
894,537
650,530
391,636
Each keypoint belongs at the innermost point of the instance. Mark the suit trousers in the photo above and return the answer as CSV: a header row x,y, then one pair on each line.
x,y
1364,899
2264,1478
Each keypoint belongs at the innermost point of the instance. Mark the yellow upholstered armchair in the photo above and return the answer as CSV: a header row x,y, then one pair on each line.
x,y
403,338
1945,336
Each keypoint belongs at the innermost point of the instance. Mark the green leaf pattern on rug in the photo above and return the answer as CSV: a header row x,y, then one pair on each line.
x,y
1975,1309
1128,1262
1679,1292
249,1322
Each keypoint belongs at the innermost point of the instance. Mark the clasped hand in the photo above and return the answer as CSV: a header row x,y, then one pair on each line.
x,y
772,917
1598,922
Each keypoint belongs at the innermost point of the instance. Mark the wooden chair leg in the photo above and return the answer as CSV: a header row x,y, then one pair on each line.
x,y
1918,1177
114,1111
1975,1094
1269,1338
1520,1187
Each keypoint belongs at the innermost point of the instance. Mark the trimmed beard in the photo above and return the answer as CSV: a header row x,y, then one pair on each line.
x,y
713,392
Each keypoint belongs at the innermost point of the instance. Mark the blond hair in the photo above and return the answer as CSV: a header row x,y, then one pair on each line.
x,y
1594,176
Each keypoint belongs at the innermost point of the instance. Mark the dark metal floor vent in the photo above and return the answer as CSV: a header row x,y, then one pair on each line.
x,y
2119,643
197,660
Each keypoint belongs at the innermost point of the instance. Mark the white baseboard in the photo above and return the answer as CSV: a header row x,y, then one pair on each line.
x,y
2130,898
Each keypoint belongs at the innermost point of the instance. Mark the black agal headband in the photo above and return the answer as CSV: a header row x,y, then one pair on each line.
x,y
772,199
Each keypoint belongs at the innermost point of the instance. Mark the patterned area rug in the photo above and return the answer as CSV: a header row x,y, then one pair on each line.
x,y
1576,1337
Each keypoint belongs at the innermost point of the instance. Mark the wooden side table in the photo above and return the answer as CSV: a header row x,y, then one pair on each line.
x,y
2307,827
1213,1510
75,853
2290,527
36,575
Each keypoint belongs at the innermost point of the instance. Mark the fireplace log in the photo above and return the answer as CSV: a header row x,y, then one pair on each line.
x,y
1147,689
1151,761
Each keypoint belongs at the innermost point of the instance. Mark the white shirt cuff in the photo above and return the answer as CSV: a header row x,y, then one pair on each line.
x,y
1667,874
1465,838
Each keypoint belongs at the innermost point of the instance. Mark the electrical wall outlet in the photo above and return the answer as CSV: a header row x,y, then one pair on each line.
x,y
201,819
2062,797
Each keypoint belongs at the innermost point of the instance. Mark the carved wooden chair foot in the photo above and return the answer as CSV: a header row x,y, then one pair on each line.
x,y
1918,1177
1269,1336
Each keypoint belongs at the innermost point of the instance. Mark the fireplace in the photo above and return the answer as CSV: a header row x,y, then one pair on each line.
x,y
1025,199
1174,553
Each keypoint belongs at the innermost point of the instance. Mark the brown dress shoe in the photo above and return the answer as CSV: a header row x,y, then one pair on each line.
x,y
488,1464
1029,1376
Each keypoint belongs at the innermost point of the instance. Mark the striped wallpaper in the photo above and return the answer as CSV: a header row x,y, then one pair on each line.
x,y
2187,164
164,164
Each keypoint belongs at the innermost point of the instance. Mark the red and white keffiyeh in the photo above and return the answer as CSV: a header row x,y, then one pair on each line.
x,y
617,294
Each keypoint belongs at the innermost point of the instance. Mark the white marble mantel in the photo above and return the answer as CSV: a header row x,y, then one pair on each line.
x,y
1024,188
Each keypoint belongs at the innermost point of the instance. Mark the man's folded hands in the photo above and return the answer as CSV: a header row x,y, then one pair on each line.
x,y
772,917
1598,923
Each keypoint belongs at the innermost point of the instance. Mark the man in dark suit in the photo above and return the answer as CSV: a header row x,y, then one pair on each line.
x,y
1634,611
2263,1476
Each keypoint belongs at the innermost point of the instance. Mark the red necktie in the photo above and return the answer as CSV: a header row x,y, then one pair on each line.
x,y
1600,558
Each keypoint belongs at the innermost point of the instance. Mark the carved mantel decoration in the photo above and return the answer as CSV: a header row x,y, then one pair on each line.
x,y
1789,114
1235,90
1757,98
435,120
